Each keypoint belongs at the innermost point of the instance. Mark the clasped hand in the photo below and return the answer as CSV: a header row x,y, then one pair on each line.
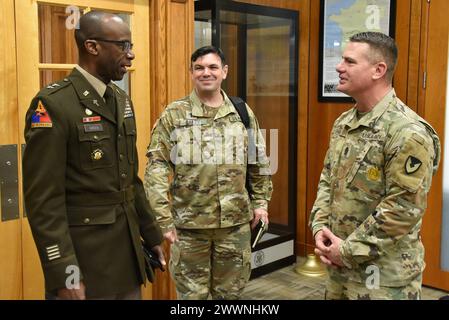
x,y
328,248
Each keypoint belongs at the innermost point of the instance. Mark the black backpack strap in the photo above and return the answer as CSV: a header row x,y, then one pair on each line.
x,y
240,106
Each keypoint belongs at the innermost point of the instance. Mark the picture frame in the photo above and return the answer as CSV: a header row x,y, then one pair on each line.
x,y
339,20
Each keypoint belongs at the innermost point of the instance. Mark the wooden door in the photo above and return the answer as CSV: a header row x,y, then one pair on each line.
x,y
10,223
433,93
46,52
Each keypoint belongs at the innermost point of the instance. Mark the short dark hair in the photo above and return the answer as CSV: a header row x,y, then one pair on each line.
x,y
206,50
383,45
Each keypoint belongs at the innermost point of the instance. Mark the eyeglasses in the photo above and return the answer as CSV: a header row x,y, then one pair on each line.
x,y
124,44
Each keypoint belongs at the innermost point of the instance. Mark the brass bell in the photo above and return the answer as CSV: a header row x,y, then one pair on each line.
x,y
312,267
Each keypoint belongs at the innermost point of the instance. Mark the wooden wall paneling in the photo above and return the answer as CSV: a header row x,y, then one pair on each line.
x,y
118,5
179,48
423,56
158,53
140,78
303,116
434,109
171,40
414,55
403,22
10,231
140,26
163,288
28,84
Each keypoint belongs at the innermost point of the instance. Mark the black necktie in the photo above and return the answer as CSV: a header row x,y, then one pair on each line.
x,y
109,99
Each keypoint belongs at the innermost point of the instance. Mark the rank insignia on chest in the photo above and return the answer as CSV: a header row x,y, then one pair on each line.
x,y
373,174
97,154
412,165
128,111
40,118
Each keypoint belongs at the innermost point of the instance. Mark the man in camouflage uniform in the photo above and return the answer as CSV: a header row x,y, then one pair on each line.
x,y
201,143
372,191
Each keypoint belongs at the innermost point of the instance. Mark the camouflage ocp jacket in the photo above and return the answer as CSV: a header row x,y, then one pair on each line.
x,y
373,190
204,151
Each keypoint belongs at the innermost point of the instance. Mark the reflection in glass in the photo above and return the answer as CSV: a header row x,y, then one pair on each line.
x,y
258,52
56,42
203,33
260,45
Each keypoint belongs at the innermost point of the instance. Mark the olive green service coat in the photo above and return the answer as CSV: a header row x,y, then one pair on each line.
x,y
85,202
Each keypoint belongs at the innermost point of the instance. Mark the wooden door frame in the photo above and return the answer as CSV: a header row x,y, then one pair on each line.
x,y
10,230
171,44
432,106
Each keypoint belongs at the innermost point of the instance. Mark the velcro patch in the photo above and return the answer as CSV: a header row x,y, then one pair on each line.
x,y
41,118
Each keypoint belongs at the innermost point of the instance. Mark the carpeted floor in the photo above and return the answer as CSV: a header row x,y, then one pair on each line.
x,y
286,284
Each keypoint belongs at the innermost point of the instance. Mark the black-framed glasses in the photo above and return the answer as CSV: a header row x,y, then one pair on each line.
x,y
124,44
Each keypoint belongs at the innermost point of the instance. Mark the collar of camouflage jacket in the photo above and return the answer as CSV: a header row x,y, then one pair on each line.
x,y
371,118
198,109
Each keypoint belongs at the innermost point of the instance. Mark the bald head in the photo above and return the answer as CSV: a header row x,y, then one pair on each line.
x,y
104,45
96,24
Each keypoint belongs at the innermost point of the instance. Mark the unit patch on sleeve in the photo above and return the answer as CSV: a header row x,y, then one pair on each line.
x,y
40,118
412,165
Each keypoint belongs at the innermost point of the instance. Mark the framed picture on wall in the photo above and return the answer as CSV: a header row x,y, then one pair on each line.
x,y
339,20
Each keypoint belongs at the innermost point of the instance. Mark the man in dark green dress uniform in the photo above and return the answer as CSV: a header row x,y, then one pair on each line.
x,y
85,202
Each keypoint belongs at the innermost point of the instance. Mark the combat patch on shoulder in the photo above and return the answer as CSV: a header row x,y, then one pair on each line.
x,y
412,165
41,118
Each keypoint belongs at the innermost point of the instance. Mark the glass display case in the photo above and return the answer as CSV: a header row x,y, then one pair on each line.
x,y
261,48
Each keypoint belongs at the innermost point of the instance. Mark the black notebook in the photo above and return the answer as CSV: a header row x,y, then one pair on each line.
x,y
258,232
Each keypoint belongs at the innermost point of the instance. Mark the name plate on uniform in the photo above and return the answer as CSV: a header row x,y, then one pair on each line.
x,y
93,127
